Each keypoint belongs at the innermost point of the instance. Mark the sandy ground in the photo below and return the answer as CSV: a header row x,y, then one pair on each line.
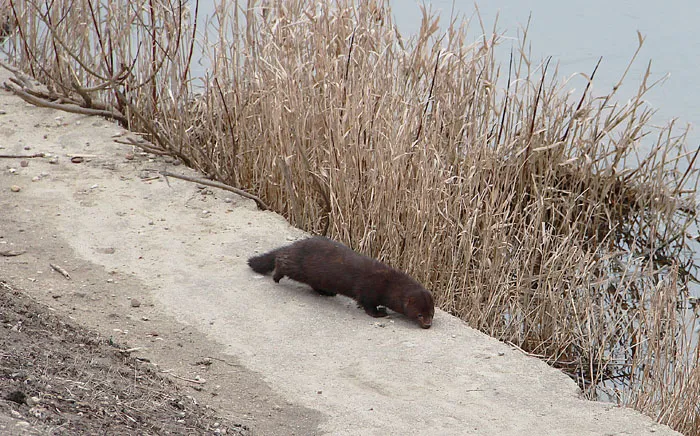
x,y
282,360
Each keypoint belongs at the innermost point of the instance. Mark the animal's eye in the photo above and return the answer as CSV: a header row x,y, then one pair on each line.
x,y
420,316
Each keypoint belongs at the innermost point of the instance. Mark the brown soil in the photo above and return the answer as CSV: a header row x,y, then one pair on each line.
x,y
58,378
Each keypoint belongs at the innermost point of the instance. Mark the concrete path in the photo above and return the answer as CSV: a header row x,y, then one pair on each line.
x,y
122,232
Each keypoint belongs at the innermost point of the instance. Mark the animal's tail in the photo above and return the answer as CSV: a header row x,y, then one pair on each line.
x,y
264,263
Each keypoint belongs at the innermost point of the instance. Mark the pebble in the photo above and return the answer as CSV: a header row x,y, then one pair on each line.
x,y
129,156
77,159
15,188
24,164
53,160
135,302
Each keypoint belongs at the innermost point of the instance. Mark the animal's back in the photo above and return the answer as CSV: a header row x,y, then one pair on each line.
x,y
324,264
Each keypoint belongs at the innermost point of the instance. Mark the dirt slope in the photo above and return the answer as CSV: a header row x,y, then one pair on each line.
x,y
282,360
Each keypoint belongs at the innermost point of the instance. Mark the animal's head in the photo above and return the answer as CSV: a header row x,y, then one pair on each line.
x,y
420,306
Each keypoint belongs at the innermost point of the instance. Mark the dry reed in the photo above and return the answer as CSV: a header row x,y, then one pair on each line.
x,y
529,209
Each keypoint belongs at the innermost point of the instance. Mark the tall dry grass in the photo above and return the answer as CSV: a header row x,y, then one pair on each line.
x,y
530,209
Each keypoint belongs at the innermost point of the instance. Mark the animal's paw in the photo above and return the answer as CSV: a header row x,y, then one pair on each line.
x,y
377,312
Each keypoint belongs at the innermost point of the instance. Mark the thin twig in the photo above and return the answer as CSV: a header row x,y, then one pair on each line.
x,y
131,350
114,114
63,272
580,102
257,200
22,156
11,253
146,146
199,382
430,96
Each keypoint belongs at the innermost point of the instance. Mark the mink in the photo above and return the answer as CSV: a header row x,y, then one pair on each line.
x,y
331,268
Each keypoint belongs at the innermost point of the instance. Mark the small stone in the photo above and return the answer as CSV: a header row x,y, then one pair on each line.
x,y
33,401
15,188
135,302
176,162
36,178
53,160
24,164
77,159
129,156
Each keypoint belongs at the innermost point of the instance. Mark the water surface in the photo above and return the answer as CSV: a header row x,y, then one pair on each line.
x,y
576,34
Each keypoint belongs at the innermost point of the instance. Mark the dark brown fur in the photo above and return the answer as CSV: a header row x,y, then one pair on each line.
x,y
331,268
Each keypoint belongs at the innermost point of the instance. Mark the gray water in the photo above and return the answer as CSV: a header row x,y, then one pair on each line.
x,y
576,34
